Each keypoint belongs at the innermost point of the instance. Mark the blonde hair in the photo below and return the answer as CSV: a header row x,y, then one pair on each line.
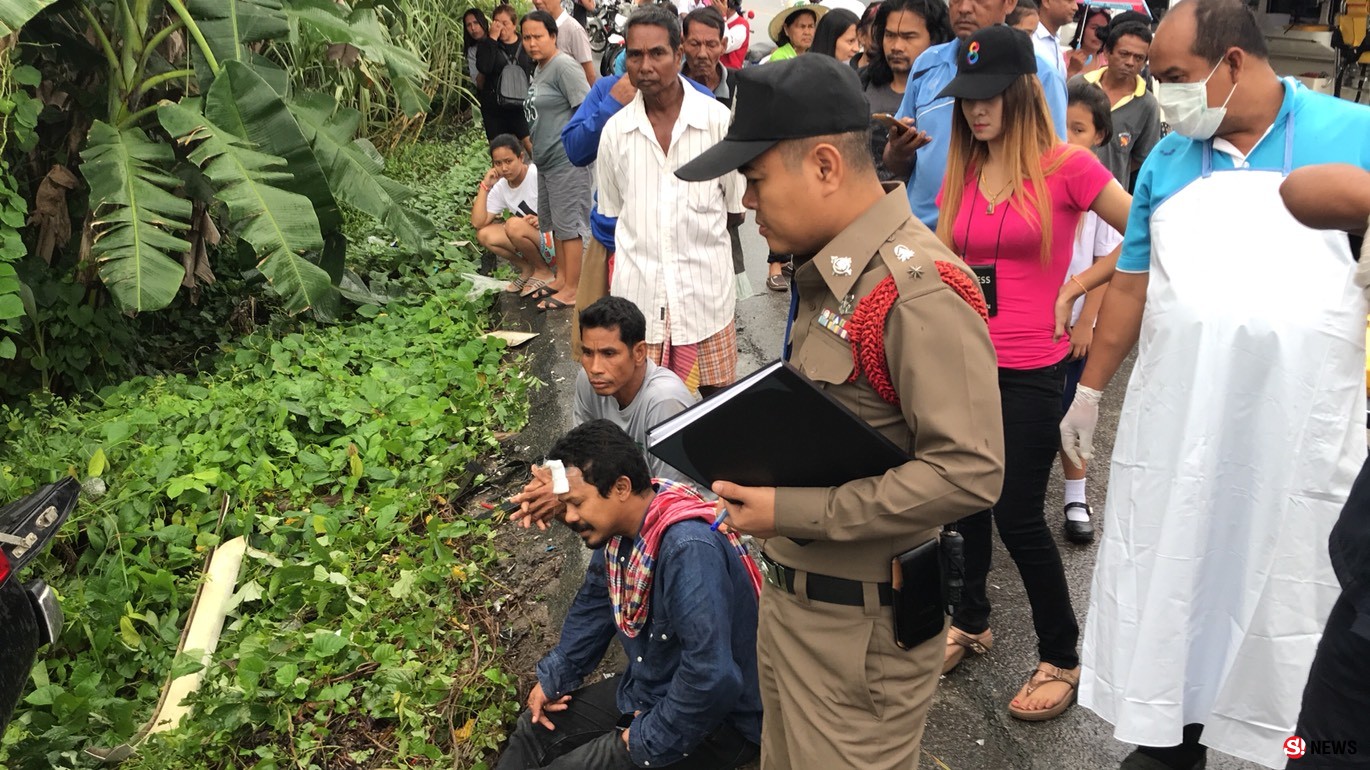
x,y
1028,138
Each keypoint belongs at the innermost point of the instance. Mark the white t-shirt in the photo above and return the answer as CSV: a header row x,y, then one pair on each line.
x,y
1095,239
503,197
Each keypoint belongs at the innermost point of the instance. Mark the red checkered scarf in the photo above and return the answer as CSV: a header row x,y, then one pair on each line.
x,y
630,587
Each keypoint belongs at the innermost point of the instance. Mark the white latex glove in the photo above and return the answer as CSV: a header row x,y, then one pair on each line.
x,y
1077,429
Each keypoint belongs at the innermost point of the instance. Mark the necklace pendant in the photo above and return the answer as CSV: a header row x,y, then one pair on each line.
x,y
990,208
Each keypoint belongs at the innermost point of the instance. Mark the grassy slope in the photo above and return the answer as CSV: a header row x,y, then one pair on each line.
x,y
359,637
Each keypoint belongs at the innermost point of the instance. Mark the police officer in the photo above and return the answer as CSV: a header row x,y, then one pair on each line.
x,y
889,322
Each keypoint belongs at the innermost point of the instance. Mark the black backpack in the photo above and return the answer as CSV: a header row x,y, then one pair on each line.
x,y
512,88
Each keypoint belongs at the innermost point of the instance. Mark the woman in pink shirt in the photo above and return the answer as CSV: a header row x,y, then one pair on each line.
x,y
1011,202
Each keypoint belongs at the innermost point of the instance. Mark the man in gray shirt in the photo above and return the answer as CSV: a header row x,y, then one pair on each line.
x,y
572,39
1136,115
619,383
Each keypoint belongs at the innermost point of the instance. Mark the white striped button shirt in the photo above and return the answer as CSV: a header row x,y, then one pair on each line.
x,y
672,254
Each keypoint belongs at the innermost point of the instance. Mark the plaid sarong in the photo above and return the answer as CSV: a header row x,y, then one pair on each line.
x,y
711,361
630,587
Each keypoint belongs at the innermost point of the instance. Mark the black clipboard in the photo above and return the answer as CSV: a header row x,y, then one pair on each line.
x,y
773,428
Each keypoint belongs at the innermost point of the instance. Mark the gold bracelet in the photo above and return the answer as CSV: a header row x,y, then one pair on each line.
x,y
1076,279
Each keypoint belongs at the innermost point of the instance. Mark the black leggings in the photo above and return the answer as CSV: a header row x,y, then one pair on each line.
x,y
1032,413
502,120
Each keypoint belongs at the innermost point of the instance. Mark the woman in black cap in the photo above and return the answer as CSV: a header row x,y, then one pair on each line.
x,y
1011,201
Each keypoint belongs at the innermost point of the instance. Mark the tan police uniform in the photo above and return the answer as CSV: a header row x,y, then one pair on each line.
x,y
837,691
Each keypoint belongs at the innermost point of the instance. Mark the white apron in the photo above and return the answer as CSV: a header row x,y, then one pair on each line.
x,y
1243,428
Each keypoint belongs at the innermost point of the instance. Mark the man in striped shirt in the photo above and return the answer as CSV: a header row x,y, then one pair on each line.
x,y
673,258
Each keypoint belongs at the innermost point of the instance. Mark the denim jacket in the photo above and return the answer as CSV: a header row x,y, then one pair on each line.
x,y
692,667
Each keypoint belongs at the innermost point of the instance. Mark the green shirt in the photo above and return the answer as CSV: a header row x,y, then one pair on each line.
x,y
784,52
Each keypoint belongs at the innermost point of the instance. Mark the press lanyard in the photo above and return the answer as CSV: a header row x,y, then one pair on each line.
x,y
987,276
1288,148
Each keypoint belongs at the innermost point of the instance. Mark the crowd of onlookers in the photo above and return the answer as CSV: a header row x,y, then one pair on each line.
x,y
1011,140
555,230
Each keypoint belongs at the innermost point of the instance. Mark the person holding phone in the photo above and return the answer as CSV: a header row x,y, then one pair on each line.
x,y
1013,198
901,32
511,187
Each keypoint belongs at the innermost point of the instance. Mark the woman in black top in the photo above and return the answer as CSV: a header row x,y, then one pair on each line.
x,y
477,29
498,51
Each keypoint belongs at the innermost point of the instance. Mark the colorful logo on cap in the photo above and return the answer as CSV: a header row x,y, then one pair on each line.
x,y
973,53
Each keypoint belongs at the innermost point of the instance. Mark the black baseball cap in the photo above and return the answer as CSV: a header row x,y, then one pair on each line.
x,y
810,95
989,61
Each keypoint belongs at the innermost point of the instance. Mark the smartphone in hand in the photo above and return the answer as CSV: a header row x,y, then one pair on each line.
x,y
890,122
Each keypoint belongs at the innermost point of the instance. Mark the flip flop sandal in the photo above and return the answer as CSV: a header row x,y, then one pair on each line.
x,y
1047,673
777,283
536,289
960,644
552,303
515,286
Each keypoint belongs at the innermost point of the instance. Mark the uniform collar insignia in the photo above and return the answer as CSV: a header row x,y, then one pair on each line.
x,y
903,253
841,266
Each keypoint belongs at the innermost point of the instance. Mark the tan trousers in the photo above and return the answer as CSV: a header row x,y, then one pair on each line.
x,y
836,690
594,283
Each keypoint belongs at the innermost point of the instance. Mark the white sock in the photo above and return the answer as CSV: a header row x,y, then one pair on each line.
x,y
1075,493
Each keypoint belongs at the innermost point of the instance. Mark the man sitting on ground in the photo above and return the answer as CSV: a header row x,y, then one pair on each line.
x,y
680,597
511,185
619,383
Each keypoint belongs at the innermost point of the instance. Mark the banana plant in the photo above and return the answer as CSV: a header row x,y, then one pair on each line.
x,y
198,114
15,13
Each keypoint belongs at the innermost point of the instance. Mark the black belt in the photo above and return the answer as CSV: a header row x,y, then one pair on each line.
x,y
825,588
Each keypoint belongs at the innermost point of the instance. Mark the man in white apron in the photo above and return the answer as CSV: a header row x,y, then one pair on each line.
x,y
1243,425
1333,730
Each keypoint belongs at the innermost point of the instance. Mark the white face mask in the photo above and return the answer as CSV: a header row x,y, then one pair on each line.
x,y
1186,109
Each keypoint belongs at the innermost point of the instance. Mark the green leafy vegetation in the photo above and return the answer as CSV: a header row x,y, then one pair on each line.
x,y
18,120
359,635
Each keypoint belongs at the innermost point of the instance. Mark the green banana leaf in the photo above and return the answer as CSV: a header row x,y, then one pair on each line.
x,y
354,173
136,213
16,13
363,29
242,102
229,26
279,225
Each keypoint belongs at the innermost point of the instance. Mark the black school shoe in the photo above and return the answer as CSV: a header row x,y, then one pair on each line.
x,y
1080,532
1139,761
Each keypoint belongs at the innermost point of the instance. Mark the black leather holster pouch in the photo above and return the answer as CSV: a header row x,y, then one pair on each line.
x,y
927,582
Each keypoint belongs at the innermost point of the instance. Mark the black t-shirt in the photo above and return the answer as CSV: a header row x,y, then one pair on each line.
x,y
492,56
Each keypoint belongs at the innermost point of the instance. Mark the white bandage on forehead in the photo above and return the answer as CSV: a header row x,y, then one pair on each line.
x,y
560,484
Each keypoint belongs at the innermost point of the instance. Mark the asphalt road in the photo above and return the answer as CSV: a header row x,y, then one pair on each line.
x,y
969,727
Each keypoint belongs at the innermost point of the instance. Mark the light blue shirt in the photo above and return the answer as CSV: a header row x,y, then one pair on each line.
x,y
1326,130
931,73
